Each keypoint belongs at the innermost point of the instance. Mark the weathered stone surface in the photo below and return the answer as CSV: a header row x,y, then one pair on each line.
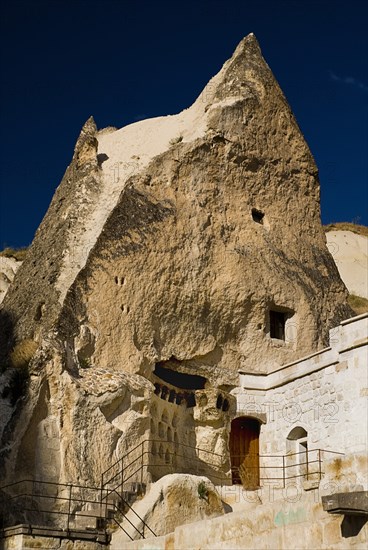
x,y
33,304
184,270
350,253
174,500
19,537
8,269
285,525
168,242
73,429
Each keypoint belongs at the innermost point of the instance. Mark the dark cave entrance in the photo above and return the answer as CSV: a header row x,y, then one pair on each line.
x,y
179,379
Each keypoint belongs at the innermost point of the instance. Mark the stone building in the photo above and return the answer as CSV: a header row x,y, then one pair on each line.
x,y
176,281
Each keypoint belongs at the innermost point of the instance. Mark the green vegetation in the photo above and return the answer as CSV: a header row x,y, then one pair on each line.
x,y
358,304
346,226
202,490
84,362
17,253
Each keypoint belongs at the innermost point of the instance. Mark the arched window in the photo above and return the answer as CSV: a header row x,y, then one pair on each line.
x,y
297,450
297,433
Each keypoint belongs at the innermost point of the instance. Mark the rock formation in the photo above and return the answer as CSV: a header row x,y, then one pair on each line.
x,y
175,252
8,269
350,253
174,500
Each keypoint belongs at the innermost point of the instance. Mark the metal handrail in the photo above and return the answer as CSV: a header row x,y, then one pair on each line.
x,y
134,511
122,479
144,459
70,499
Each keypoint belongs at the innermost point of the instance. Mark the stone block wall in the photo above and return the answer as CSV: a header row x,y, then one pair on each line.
x,y
324,395
302,525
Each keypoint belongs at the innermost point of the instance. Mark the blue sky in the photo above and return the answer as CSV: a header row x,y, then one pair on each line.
x,y
62,61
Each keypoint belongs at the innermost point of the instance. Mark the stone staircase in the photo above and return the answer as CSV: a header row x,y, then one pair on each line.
x,y
99,516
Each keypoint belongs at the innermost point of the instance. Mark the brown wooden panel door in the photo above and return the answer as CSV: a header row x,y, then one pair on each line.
x,y
244,452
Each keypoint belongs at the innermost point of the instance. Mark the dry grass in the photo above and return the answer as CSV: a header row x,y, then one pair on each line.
x,y
358,304
17,253
346,226
176,140
23,353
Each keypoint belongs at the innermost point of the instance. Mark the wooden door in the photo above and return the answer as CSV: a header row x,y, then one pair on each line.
x,y
244,452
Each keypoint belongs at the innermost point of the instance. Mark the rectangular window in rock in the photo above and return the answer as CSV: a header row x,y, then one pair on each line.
x,y
277,324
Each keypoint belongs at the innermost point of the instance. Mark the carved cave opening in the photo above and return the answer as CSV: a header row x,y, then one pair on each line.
x,y
257,216
180,379
181,405
277,324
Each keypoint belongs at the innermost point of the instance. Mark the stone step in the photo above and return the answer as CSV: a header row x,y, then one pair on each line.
x,y
94,518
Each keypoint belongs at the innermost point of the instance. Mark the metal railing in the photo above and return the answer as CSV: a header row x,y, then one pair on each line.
x,y
177,458
73,507
64,508
142,462
305,465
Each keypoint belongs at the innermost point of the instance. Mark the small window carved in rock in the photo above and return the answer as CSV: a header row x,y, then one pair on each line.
x,y
164,392
191,400
219,401
277,324
179,398
257,216
188,398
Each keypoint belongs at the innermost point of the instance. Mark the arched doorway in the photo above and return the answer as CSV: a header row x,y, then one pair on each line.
x,y
244,452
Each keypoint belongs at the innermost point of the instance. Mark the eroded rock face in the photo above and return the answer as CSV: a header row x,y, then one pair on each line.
x,y
8,269
193,242
215,232
174,500
350,253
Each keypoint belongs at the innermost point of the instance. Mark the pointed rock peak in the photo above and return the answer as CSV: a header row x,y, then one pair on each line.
x,y
89,127
244,75
248,43
87,135
85,151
